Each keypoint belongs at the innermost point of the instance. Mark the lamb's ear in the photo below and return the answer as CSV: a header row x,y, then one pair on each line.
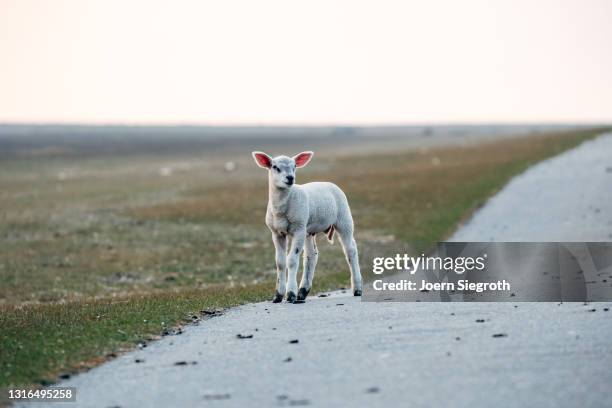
x,y
262,159
302,159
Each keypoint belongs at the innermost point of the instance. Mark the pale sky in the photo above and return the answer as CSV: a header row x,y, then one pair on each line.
x,y
306,62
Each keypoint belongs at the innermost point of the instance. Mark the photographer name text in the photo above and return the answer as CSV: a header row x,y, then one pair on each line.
x,y
423,285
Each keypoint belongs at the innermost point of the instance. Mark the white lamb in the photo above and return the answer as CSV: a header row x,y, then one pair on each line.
x,y
296,213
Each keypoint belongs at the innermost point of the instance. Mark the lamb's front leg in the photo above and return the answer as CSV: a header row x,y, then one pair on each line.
x,y
297,244
280,244
311,254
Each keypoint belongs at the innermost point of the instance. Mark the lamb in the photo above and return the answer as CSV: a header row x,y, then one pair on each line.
x,y
295,215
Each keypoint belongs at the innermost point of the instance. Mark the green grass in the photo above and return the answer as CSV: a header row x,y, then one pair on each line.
x,y
94,264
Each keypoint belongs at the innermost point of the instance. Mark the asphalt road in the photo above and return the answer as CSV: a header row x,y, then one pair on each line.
x,y
353,353
566,198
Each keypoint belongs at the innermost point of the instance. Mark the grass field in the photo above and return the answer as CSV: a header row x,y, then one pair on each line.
x,y
103,251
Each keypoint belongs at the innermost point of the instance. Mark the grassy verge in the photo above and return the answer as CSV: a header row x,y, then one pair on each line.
x,y
136,269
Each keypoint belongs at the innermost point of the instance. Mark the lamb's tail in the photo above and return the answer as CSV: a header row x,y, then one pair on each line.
x,y
330,234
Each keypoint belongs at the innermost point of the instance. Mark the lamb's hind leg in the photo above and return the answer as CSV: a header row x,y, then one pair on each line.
x,y
352,257
311,254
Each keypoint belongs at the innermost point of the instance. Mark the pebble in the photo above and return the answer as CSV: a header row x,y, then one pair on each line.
x,y
184,363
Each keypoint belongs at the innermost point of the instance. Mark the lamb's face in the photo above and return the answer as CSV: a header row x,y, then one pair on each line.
x,y
282,171
282,168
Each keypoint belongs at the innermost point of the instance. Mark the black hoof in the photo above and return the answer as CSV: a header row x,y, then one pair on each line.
x,y
357,292
303,293
277,298
291,297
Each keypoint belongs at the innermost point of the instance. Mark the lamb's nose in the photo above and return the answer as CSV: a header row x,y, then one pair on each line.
x,y
290,179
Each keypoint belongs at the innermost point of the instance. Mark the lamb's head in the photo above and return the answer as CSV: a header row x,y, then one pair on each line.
x,y
281,169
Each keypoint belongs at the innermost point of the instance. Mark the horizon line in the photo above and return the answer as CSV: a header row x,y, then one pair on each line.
x,y
297,124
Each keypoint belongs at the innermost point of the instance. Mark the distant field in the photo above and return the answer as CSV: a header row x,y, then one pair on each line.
x,y
20,141
100,217
159,235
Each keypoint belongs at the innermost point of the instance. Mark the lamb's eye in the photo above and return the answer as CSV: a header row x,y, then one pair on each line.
x,y
276,168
